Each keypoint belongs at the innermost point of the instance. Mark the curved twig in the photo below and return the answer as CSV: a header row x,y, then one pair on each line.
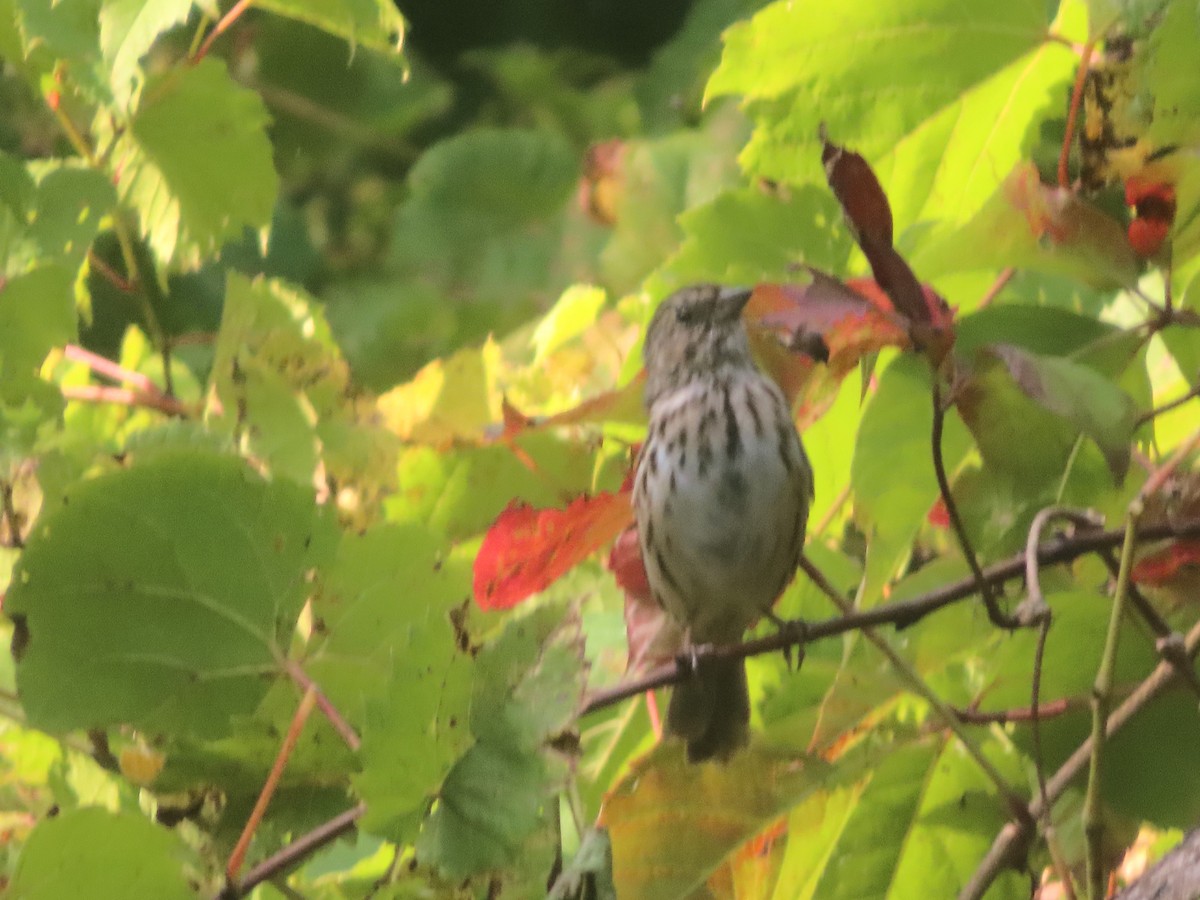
x,y
998,617
1034,609
1009,846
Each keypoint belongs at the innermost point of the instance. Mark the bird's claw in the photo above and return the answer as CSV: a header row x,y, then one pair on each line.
x,y
796,631
689,659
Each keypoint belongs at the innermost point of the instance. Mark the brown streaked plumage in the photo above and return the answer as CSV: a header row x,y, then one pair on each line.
x,y
721,495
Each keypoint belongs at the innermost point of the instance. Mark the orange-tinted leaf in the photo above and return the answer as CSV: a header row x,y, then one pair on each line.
x,y
1161,568
527,549
851,319
815,307
754,869
723,806
857,335
514,420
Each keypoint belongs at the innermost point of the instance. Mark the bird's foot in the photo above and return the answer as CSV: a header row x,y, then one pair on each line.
x,y
691,658
796,633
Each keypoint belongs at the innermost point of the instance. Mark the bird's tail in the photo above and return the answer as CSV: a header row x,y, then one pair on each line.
x,y
711,710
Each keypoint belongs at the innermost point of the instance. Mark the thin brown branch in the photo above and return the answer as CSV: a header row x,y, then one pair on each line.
x,y
1051,710
238,856
1009,847
102,365
295,852
336,719
99,393
221,27
900,614
120,282
998,617
1150,414
1155,482
1085,60
997,286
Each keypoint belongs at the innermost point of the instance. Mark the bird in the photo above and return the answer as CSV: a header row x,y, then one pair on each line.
x,y
722,490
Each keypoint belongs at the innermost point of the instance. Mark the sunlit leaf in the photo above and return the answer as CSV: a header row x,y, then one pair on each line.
x,y
748,235
892,474
568,318
1030,224
128,28
799,65
461,492
672,824
922,823
67,212
374,23
448,400
195,162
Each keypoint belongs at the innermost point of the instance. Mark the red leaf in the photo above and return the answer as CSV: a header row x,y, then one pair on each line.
x,y
653,638
625,562
863,201
866,208
528,549
939,514
1161,568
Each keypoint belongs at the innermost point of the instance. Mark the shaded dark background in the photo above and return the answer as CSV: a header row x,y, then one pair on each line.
x,y
627,30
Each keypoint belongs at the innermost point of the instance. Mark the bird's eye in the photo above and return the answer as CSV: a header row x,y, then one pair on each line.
x,y
693,313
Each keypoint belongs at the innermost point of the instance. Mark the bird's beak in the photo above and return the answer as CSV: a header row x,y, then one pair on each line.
x,y
736,298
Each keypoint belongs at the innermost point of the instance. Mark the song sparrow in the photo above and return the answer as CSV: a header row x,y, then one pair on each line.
x,y
721,494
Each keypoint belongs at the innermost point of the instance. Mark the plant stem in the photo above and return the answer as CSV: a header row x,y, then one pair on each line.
x,y
1093,813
